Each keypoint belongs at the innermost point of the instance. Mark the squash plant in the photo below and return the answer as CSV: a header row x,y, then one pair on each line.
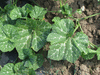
x,y
23,28
66,43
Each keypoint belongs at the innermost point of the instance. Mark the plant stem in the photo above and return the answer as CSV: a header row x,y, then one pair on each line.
x,y
92,51
92,44
89,16
2,9
77,25
15,3
35,3
60,3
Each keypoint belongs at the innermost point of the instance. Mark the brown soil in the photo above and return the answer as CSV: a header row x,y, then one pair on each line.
x,y
91,28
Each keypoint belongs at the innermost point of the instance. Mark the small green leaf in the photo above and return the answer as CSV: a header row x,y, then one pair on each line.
x,y
7,69
38,12
32,61
15,13
79,11
18,67
7,20
21,70
66,10
8,37
1,22
39,62
26,9
32,72
8,8
88,56
56,19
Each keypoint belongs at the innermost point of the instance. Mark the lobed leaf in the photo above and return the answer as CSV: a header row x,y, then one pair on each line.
x,y
38,12
63,45
26,9
39,30
21,70
66,9
15,13
23,41
88,56
32,60
8,37
82,41
7,69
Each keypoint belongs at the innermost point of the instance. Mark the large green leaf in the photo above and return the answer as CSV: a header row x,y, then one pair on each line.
x,y
63,45
33,33
8,37
81,41
23,41
7,69
38,12
15,13
7,20
40,32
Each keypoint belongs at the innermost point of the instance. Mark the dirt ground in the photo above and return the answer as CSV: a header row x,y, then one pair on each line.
x,y
91,27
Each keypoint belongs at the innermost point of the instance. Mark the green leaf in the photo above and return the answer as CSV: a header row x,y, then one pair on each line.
x,y
1,22
56,19
33,33
81,41
40,30
23,41
38,12
7,69
18,67
26,9
7,20
79,11
15,13
22,24
66,9
32,60
88,56
21,70
8,37
8,8
38,63
63,45
30,57
32,72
